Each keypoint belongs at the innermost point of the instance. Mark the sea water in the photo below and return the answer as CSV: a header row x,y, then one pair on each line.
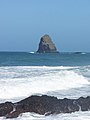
x,y
63,75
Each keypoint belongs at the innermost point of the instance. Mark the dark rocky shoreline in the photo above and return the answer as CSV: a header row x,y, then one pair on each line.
x,y
44,105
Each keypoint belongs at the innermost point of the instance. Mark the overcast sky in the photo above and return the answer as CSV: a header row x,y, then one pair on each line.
x,y
23,22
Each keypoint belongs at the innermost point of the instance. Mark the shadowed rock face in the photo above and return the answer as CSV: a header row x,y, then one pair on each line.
x,y
44,105
46,45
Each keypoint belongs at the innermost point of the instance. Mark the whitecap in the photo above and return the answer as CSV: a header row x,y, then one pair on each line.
x,y
25,81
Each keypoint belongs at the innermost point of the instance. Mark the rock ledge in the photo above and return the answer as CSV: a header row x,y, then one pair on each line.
x,y
44,105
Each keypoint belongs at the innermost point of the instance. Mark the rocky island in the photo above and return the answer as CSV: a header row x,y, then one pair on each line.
x,y
46,45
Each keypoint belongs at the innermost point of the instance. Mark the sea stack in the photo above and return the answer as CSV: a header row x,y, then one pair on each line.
x,y
46,45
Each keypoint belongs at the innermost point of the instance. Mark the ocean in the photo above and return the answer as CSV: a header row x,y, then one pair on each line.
x,y
63,75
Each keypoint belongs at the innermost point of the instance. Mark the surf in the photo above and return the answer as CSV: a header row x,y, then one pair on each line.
x,y
20,82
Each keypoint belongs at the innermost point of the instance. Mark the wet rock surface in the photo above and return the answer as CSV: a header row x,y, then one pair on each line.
x,y
44,105
6,108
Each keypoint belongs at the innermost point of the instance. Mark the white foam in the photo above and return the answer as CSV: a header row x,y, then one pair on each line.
x,y
83,53
25,81
32,52
73,116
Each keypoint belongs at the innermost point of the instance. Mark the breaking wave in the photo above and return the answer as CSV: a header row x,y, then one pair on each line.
x,y
16,82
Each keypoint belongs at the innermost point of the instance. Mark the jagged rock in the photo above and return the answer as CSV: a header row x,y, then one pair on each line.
x,y
44,105
46,45
6,108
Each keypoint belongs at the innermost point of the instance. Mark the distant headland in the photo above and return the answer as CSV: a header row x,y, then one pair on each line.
x,y
46,45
